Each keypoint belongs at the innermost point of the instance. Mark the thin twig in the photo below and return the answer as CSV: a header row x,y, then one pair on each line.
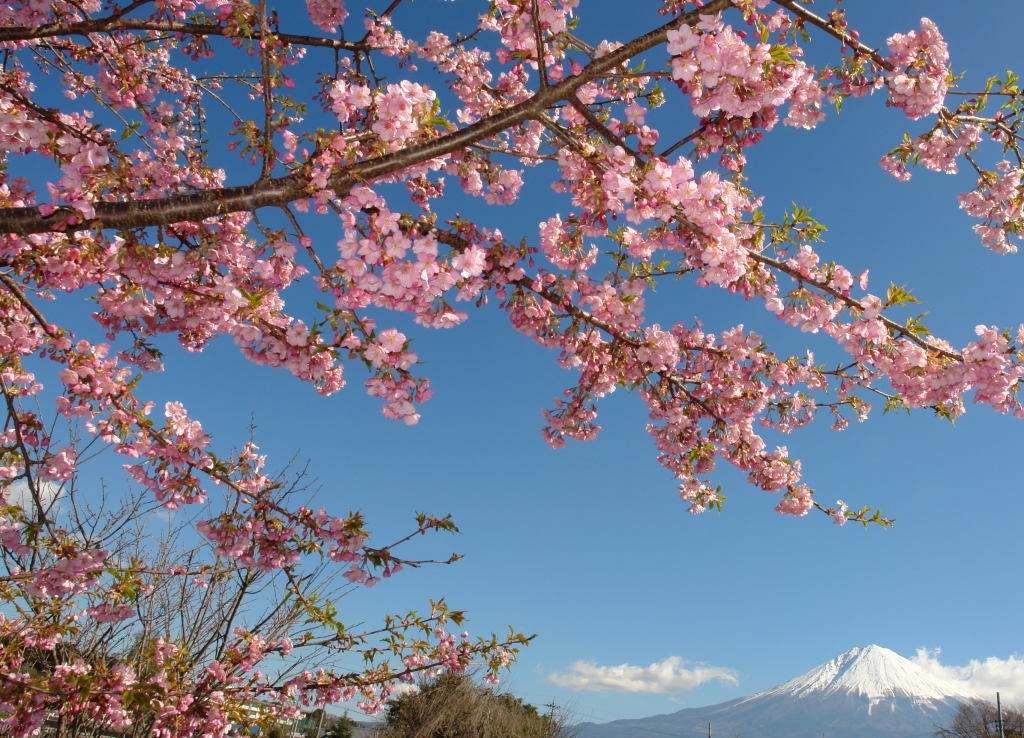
x,y
850,302
682,142
839,33
301,236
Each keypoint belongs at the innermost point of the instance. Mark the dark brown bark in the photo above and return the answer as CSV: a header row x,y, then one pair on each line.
x,y
113,23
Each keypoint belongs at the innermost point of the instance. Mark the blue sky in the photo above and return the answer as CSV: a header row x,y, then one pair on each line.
x,y
589,546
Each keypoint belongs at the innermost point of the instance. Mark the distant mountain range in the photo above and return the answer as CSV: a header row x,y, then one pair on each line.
x,y
869,692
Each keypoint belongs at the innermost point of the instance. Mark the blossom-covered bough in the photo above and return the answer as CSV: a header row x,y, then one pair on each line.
x,y
225,619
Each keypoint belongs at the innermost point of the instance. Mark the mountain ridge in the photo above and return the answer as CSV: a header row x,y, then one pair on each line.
x,y
866,692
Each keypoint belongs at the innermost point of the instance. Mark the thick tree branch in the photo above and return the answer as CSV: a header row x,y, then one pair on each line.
x,y
195,206
20,296
280,191
538,35
598,126
113,23
268,96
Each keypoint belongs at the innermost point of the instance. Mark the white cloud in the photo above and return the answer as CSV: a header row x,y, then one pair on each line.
x,y
19,494
401,690
664,677
987,677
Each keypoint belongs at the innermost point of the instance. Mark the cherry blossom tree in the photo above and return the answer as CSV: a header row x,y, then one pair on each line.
x,y
108,129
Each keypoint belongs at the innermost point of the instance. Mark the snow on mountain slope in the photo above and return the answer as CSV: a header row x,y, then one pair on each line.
x,y
873,672
869,692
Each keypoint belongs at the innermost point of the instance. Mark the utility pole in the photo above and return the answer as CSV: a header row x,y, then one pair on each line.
x,y
999,709
709,730
552,705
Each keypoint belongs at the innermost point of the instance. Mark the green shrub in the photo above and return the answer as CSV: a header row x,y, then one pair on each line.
x,y
457,707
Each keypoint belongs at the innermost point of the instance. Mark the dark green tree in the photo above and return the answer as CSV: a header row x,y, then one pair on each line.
x,y
340,728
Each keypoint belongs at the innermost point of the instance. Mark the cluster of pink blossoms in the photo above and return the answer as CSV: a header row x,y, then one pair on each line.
x,y
919,81
69,576
998,198
34,12
721,71
327,14
401,111
999,202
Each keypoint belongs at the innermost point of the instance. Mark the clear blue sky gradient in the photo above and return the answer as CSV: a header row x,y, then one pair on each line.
x,y
589,546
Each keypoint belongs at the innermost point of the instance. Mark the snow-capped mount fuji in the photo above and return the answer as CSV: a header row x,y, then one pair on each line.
x,y
873,672
869,692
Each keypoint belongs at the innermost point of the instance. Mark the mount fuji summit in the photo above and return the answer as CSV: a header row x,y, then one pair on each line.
x,y
869,692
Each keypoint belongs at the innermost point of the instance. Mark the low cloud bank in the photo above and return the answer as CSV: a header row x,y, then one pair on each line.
x,y
664,677
987,677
